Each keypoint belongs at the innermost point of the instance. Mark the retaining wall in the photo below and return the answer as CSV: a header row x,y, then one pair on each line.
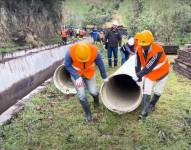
x,y
20,75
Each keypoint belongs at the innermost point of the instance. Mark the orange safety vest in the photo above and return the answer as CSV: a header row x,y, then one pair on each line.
x,y
64,34
161,68
86,69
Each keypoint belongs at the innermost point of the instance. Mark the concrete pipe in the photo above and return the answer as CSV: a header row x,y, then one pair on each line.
x,y
63,82
121,94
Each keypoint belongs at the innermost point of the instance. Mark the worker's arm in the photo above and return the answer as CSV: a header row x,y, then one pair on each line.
x,y
137,64
119,38
68,65
150,65
106,36
101,66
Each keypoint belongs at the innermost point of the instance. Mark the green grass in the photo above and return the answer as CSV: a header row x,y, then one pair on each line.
x,y
51,122
12,48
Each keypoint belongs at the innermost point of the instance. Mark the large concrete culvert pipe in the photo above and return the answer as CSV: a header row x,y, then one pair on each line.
x,y
121,94
63,82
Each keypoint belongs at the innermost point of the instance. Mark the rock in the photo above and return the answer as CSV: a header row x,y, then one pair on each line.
x,y
26,36
18,37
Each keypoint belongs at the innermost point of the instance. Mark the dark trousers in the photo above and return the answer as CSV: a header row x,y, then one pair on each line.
x,y
113,50
64,40
124,56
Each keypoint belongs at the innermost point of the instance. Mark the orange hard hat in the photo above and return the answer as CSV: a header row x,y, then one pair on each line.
x,y
137,36
145,38
82,52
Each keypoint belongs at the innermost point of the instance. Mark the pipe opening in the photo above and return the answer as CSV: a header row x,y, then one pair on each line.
x,y
63,78
121,93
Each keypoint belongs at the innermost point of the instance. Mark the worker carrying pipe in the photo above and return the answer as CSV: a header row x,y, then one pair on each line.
x,y
152,65
80,61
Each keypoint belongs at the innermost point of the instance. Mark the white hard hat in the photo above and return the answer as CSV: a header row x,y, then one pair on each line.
x,y
131,41
115,23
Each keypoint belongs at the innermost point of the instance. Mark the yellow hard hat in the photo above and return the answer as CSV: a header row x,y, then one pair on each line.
x,y
145,38
83,52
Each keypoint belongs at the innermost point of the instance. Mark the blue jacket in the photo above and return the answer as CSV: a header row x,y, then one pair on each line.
x,y
95,34
73,72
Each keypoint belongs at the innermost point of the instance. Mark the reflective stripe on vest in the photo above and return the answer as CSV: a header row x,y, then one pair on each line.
x,y
76,68
162,66
87,70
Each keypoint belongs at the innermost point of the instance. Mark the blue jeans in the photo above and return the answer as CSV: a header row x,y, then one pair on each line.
x,y
91,86
124,56
113,50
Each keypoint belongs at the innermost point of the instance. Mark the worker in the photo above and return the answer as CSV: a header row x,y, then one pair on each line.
x,y
95,34
101,36
126,50
152,65
77,31
81,60
64,36
113,40
82,33
71,31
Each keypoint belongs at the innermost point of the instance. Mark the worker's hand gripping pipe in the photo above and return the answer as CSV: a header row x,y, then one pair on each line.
x,y
121,94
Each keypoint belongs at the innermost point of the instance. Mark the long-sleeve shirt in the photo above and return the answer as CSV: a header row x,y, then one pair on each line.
x,y
149,66
113,37
94,34
73,72
127,49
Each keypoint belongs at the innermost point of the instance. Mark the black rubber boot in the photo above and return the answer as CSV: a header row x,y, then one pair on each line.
x,y
153,102
110,64
96,101
145,106
86,108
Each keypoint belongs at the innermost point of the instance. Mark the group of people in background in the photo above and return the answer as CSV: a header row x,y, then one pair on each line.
x,y
70,33
152,66
112,39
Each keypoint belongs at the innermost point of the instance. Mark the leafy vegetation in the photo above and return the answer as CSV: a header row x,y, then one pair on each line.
x,y
52,122
88,12
101,12
169,20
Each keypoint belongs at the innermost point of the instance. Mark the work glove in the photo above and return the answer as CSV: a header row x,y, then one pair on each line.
x,y
79,83
106,80
135,78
